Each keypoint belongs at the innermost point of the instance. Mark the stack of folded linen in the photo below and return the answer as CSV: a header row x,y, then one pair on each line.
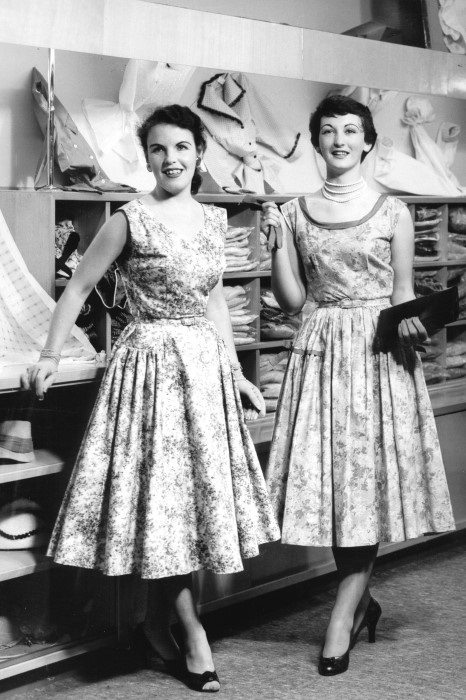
x,y
426,233
242,320
237,249
275,324
456,359
457,233
426,282
457,219
272,371
457,276
434,372
456,246
265,254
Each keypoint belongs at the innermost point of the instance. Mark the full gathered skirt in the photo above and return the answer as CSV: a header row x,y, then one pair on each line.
x,y
355,457
167,480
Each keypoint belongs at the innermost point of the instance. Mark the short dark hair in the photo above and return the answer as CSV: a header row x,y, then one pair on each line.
x,y
339,105
184,118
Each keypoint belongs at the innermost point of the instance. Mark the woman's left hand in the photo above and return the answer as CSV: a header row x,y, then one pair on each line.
x,y
412,332
253,401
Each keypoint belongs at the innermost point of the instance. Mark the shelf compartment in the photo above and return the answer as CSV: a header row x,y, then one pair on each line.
x,y
20,562
45,463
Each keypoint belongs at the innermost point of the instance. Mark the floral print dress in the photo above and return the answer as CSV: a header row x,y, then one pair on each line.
x,y
167,480
355,457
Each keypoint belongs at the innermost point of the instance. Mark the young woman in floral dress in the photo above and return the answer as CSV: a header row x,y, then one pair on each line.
x,y
166,481
355,458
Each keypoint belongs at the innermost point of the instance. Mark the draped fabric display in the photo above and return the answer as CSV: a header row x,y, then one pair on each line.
x,y
438,156
77,162
146,86
25,311
452,17
429,172
246,133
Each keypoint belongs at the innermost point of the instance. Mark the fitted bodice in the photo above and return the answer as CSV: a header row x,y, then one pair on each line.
x,y
165,275
350,260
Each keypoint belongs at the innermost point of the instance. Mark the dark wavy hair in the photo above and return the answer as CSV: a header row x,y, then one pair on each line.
x,y
184,118
339,105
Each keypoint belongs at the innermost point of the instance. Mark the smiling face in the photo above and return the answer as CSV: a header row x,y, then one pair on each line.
x,y
171,155
342,143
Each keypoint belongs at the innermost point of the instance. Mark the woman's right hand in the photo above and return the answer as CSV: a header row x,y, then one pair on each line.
x,y
270,216
271,225
39,377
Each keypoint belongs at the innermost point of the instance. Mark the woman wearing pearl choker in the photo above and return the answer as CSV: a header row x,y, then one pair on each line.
x,y
355,458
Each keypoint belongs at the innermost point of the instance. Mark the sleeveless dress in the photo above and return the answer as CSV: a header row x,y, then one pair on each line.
x,y
167,480
355,457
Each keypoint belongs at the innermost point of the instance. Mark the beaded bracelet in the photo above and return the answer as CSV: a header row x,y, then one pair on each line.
x,y
47,354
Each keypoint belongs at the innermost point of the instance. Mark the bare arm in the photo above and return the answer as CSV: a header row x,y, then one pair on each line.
x,y
218,313
104,249
410,331
288,279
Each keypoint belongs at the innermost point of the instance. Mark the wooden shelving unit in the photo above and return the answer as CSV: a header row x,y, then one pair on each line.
x,y
272,571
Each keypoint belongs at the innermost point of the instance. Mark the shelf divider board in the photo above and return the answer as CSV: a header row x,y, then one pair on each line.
x,y
20,562
73,373
45,462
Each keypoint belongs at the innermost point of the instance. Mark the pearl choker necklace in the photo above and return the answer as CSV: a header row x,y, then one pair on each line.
x,y
343,193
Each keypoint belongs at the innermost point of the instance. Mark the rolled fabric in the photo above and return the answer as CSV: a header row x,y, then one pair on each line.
x,y
273,375
455,360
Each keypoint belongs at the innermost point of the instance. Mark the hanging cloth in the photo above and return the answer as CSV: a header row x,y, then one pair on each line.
x,y
26,310
419,111
428,173
242,124
452,17
447,140
73,155
146,85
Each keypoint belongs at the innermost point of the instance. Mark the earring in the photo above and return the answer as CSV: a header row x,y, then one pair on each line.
x,y
149,168
198,161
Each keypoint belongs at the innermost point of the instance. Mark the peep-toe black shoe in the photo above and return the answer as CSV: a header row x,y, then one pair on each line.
x,y
198,681
370,620
333,665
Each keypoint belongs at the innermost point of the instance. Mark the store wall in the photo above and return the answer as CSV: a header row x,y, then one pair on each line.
x,y
324,15
81,76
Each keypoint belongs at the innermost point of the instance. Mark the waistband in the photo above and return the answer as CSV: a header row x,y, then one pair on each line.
x,y
183,320
353,303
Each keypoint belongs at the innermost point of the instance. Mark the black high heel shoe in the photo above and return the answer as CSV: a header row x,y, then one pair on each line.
x,y
333,665
370,620
197,681
142,646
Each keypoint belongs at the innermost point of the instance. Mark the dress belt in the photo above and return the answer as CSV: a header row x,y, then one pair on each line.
x,y
184,320
353,303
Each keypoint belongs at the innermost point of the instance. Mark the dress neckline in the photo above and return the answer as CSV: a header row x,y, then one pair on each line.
x,y
341,224
171,230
